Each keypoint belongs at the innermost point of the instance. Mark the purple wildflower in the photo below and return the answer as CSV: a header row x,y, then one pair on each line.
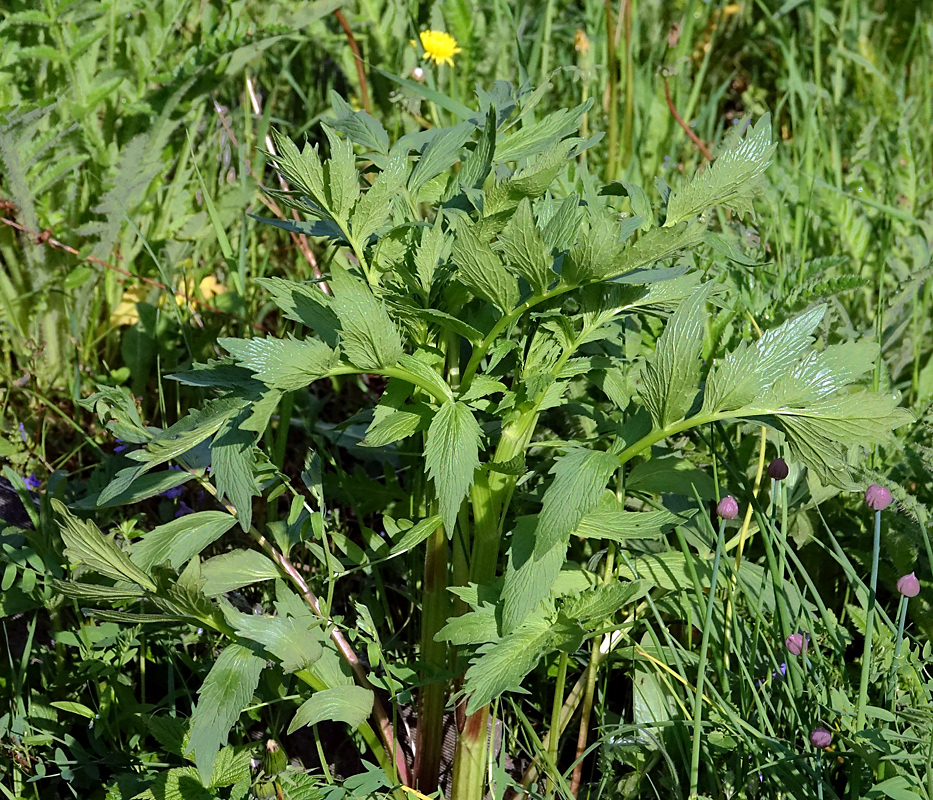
x,y
22,431
183,509
877,497
821,738
797,643
728,508
777,469
32,482
908,585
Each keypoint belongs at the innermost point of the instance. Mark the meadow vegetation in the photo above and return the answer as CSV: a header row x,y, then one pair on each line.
x,y
466,399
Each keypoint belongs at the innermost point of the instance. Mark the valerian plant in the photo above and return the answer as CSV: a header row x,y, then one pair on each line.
x,y
481,270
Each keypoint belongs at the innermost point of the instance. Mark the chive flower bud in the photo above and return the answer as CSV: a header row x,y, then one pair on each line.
x,y
797,643
909,586
821,738
877,497
777,469
728,508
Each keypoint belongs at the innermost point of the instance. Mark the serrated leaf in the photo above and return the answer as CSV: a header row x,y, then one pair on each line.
x,y
478,164
449,323
434,249
598,253
228,688
180,783
122,593
530,182
475,627
284,364
604,601
341,180
375,207
481,270
139,487
560,233
235,570
747,371
730,180
501,667
610,520
422,365
537,137
231,766
292,640
349,704
525,250
452,457
359,126
528,581
303,171
441,151
369,338
86,546
181,539
657,244
396,425
482,386
580,477
671,377
416,534
307,304
232,466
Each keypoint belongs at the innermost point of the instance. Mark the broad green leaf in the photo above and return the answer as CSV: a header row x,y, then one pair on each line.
x,y
452,457
670,475
74,708
502,666
375,207
302,171
292,640
731,180
180,783
228,688
747,371
86,546
655,245
604,601
434,250
235,570
450,323
369,337
666,570
477,165
305,303
341,180
181,539
397,425
416,534
525,250
532,181
285,364
528,581
141,487
671,377
232,463
560,232
610,520
423,364
349,704
481,270
231,766
358,126
537,137
598,253
94,592
475,627
439,154
580,477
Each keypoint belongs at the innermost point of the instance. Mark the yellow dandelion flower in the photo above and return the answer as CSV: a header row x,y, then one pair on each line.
x,y
439,46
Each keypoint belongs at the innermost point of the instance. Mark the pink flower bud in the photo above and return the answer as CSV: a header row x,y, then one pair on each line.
x,y
728,508
777,469
877,497
821,738
909,586
797,643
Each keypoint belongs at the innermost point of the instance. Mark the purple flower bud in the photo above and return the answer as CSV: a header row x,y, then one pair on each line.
x,y
780,672
821,738
909,586
797,643
777,469
877,497
728,508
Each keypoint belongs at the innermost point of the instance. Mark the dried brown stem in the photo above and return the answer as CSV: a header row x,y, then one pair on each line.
x,y
360,70
701,145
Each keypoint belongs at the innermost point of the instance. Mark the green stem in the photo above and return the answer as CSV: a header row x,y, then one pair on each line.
x,y
701,667
901,621
553,744
612,70
869,627
433,695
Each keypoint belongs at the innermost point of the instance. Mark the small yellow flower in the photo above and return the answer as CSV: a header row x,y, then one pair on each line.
x,y
439,46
